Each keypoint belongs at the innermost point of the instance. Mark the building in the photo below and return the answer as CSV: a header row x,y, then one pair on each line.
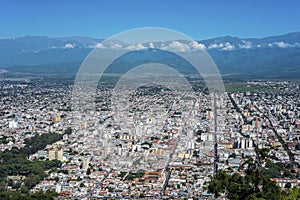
x,y
52,154
281,182
56,119
56,153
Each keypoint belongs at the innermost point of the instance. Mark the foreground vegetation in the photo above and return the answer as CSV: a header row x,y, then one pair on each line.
x,y
13,195
254,184
20,174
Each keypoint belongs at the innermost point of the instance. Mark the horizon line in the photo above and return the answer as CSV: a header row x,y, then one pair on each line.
x,y
103,38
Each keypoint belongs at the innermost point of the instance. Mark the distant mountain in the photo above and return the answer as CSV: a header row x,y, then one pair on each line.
x,y
282,41
37,50
270,57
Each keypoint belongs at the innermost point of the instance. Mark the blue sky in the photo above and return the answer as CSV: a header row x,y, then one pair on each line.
x,y
199,19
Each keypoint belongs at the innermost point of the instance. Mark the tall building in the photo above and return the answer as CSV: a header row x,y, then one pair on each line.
x,y
52,153
13,124
59,154
56,153
85,164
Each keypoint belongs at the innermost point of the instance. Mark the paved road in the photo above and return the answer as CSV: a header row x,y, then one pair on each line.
x,y
246,136
166,170
216,157
90,194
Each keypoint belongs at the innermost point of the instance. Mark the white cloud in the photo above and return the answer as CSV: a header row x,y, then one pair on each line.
x,y
69,46
222,46
116,46
228,46
197,46
245,45
176,46
136,47
216,46
213,46
282,44
151,45
99,46
295,45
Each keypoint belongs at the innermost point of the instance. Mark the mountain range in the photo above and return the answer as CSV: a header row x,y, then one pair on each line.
x,y
275,57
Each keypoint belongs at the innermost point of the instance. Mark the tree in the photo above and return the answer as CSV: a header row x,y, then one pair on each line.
x,y
233,155
251,186
199,132
110,189
24,189
32,180
195,154
293,194
288,185
48,195
88,171
68,131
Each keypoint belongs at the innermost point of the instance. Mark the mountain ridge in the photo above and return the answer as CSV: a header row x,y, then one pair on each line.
x,y
273,56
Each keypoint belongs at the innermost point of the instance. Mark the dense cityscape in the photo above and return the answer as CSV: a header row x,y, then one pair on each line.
x,y
111,99
158,146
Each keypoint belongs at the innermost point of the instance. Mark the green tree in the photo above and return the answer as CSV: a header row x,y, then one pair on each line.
x,y
68,131
253,185
88,171
288,185
24,189
293,194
